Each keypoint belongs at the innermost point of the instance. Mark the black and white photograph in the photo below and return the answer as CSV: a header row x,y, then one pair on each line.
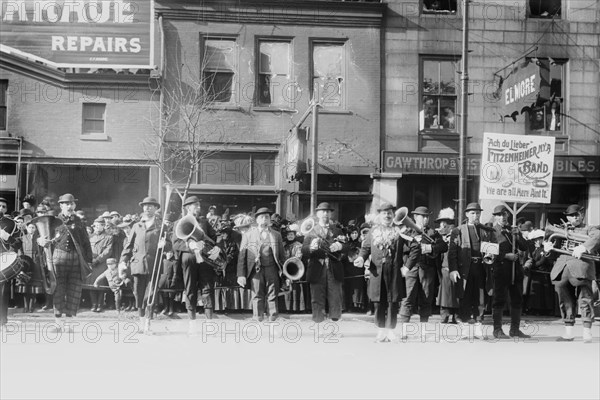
x,y
300,199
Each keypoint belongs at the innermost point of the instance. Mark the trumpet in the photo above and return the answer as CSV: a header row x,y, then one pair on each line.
x,y
401,218
307,226
570,241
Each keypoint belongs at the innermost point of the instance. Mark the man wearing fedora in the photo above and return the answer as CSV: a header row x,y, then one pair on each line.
x,y
420,269
385,244
506,279
139,253
196,275
325,271
574,274
260,263
467,270
71,249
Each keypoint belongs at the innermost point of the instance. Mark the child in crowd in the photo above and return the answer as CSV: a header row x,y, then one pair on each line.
x,y
116,279
169,280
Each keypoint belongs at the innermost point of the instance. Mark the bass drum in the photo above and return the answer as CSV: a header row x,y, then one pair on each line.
x,y
10,266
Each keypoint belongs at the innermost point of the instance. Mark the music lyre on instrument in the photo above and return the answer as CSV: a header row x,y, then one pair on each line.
x,y
46,226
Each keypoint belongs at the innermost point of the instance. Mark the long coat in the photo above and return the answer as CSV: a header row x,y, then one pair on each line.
x,y
579,268
102,247
459,251
386,262
314,268
250,251
141,248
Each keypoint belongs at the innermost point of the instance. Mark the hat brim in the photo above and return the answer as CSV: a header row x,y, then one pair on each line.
x,y
444,219
68,201
149,202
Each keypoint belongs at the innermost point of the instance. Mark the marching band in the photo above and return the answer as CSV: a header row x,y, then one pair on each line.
x,y
274,265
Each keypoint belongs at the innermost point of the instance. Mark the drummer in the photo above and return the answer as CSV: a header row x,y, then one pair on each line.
x,y
10,242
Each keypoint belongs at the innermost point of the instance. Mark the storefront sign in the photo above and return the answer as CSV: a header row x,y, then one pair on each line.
x,y
80,33
517,168
523,86
447,164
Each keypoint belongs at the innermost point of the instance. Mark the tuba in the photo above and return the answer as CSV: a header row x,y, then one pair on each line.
x,y
401,218
188,229
293,268
570,240
46,226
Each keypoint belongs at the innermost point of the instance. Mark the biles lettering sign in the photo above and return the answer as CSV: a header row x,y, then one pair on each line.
x,y
80,33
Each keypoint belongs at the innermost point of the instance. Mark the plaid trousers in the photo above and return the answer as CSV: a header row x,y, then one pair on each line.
x,y
68,282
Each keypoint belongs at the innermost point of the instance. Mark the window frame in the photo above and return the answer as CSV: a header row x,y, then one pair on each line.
x,y
546,107
456,96
530,15
257,98
235,71
449,12
93,135
316,42
4,104
251,162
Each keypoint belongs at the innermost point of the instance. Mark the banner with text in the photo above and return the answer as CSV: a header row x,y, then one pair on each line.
x,y
80,33
517,168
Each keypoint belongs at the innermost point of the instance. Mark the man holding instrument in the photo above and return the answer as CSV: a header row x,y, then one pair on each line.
x,y
325,271
575,273
140,252
197,274
506,279
10,243
72,257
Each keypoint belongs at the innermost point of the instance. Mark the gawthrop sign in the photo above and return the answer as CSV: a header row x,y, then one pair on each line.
x,y
116,34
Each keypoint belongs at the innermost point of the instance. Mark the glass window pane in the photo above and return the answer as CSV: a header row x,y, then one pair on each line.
x,y
448,113
448,74
430,77
327,61
2,118
219,54
263,169
226,169
328,91
264,89
274,58
429,113
218,86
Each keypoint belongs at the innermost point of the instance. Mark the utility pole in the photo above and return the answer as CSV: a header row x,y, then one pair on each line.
x,y
462,156
314,169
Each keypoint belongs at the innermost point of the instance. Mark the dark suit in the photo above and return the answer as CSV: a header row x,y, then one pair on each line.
x,y
196,276
503,279
571,275
473,273
420,279
263,275
13,244
325,273
386,286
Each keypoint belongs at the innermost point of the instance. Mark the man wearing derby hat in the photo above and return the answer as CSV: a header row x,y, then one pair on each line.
x,y
420,268
325,271
467,270
385,244
260,262
72,257
504,282
139,253
198,274
575,273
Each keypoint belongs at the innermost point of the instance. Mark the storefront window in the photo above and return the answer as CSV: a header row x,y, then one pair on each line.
x,y
438,96
237,168
544,8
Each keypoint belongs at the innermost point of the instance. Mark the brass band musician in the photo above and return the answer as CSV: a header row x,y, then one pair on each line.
x,y
573,273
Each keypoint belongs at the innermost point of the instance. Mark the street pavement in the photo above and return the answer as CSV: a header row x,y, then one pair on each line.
x,y
107,356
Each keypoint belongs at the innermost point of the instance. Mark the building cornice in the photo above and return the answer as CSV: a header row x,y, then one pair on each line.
x,y
55,77
275,12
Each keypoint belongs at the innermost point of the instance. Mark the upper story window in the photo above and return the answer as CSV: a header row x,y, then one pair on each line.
x,y
219,69
544,8
274,61
94,117
329,74
548,116
3,105
438,93
438,7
